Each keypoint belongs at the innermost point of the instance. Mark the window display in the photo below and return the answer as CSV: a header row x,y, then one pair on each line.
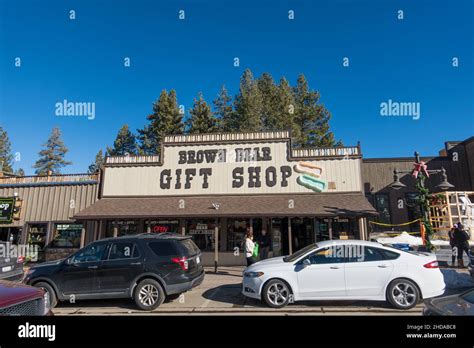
x,y
67,236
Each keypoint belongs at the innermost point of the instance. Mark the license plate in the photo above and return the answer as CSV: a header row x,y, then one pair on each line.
x,y
7,269
198,260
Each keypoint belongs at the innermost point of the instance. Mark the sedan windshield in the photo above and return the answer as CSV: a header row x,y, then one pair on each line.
x,y
299,253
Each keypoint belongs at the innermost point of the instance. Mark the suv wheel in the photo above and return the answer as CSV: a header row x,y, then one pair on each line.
x,y
403,294
53,301
276,293
149,295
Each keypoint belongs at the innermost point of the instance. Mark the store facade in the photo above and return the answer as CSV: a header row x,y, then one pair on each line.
x,y
44,206
215,186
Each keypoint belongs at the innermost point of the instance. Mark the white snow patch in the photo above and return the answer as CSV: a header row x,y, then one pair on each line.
x,y
406,238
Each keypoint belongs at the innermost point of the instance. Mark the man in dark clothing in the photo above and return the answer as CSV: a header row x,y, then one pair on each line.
x,y
264,245
461,240
454,249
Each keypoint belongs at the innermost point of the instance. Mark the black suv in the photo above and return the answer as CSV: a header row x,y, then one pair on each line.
x,y
146,267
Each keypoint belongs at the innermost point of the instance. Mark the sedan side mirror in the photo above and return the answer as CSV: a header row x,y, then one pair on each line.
x,y
306,262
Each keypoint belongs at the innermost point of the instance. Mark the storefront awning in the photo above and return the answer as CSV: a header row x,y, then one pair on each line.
x,y
332,204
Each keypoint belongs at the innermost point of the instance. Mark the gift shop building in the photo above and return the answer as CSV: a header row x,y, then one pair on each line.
x,y
214,186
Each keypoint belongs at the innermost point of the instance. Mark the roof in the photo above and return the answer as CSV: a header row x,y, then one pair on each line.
x,y
329,204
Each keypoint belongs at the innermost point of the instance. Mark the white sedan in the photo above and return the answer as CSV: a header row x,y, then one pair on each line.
x,y
345,270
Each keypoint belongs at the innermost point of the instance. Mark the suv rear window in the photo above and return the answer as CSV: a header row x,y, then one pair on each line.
x,y
163,248
188,247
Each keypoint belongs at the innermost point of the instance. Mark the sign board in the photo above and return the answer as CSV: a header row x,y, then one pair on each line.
x,y
237,168
6,209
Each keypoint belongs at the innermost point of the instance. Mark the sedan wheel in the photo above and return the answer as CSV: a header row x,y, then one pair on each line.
x,y
403,294
149,294
276,293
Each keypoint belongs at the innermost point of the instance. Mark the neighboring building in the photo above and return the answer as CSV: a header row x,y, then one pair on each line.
x,y
214,186
377,173
47,206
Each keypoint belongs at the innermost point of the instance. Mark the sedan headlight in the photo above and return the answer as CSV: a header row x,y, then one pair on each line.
x,y
253,274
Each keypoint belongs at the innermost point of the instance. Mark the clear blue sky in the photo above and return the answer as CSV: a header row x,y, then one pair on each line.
x,y
82,60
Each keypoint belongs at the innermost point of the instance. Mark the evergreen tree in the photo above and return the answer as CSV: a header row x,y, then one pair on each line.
x,y
165,120
99,160
224,111
6,157
125,143
20,172
52,156
311,117
283,117
269,92
248,105
202,119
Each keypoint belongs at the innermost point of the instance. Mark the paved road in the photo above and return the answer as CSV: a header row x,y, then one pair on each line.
x,y
220,294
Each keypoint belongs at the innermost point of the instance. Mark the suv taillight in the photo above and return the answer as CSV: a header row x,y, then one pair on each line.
x,y
182,261
432,264
20,259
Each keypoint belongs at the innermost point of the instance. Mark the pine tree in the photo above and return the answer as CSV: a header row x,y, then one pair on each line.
x,y
201,118
125,143
52,156
20,172
224,111
99,160
311,117
284,115
269,92
248,105
6,157
166,119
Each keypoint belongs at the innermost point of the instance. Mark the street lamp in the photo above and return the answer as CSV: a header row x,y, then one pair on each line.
x,y
421,172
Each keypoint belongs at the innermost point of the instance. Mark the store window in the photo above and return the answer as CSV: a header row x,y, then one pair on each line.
x,y
124,227
236,229
36,236
382,205
344,228
413,210
161,226
202,231
67,236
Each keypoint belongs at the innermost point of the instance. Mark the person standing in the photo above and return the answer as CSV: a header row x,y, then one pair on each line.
x,y
249,246
452,244
264,244
461,239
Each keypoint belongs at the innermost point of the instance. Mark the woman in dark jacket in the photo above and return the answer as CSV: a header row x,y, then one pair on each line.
x,y
461,240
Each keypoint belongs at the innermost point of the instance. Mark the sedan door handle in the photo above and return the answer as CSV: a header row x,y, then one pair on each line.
x,y
382,266
334,267
92,267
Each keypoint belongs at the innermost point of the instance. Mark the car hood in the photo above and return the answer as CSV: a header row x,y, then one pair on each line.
x,y
12,293
452,305
274,261
47,264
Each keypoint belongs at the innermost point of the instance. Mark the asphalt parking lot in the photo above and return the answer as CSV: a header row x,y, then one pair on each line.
x,y
219,294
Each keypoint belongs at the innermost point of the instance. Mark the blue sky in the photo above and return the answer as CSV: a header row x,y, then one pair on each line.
x,y
81,60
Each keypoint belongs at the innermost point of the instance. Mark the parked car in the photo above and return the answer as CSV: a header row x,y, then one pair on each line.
x,y
21,299
345,270
11,268
460,304
145,267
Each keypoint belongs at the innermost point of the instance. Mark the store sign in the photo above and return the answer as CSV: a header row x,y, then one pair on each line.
x,y
6,210
201,229
249,168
